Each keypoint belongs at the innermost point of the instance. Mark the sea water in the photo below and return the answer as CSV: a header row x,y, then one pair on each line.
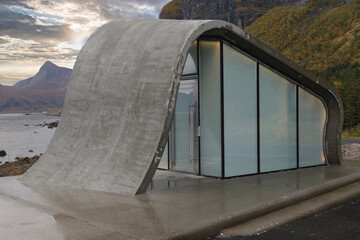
x,y
20,137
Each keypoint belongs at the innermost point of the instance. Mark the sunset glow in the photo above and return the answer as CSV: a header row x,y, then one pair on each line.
x,y
35,31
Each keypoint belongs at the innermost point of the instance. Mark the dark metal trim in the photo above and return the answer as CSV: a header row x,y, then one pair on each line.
x,y
198,95
262,173
222,108
188,77
189,74
297,127
258,115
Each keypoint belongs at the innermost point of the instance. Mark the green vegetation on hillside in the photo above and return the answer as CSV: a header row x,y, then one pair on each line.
x,y
323,37
172,10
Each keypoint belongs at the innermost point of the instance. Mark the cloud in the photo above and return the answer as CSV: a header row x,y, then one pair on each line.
x,y
62,20
18,49
3,41
19,25
9,80
33,31
20,3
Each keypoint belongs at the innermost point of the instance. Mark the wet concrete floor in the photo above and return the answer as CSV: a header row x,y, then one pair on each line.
x,y
175,205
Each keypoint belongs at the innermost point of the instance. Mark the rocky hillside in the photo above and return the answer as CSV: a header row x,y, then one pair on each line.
x,y
317,36
239,12
46,90
323,37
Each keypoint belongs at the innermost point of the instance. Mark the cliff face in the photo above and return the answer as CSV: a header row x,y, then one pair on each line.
x,y
210,9
239,12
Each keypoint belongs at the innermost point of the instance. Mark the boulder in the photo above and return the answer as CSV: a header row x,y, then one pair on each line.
x,y
2,153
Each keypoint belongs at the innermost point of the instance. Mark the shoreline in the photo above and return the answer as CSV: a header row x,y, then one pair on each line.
x,y
18,167
25,135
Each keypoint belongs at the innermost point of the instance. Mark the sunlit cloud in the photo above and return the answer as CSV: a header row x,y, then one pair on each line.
x,y
34,31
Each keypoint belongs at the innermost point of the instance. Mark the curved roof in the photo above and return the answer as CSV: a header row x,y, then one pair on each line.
x,y
121,98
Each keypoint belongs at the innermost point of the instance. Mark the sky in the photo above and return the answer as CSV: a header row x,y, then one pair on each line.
x,y
35,31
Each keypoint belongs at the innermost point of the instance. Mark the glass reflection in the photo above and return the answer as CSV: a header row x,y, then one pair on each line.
x,y
277,122
240,125
312,117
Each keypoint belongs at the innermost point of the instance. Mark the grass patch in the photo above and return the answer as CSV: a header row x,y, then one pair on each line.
x,y
351,133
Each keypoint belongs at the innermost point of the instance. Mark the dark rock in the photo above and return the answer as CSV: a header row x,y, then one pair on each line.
x,y
50,125
31,150
3,153
53,124
238,12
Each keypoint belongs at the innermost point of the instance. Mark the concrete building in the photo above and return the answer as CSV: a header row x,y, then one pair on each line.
x,y
202,96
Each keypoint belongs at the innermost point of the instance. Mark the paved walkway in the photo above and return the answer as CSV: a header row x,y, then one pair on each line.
x,y
177,206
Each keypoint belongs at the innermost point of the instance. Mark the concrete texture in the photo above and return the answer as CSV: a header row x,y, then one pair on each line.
x,y
119,106
121,97
176,206
295,212
339,223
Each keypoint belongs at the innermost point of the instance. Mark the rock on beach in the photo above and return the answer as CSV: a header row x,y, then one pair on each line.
x,y
2,153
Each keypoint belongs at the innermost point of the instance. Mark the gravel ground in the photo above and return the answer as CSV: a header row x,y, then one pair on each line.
x,y
351,151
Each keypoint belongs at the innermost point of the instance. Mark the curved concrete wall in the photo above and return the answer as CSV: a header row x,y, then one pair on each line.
x,y
121,97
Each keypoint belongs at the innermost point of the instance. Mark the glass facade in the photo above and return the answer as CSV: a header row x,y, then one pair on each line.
x,y
312,117
210,108
191,61
164,162
277,122
240,115
184,129
251,119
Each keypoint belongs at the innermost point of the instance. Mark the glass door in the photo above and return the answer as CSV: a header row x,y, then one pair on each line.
x,y
185,139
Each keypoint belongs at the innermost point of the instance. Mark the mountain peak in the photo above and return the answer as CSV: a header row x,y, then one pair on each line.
x,y
48,65
50,77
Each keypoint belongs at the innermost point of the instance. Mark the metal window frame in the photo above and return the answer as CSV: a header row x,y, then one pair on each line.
x,y
258,63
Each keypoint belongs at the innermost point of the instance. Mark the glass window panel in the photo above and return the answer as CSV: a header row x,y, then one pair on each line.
x,y
164,163
312,116
210,114
191,61
240,115
184,129
277,122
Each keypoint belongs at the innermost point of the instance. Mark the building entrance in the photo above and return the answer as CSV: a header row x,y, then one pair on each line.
x,y
185,128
